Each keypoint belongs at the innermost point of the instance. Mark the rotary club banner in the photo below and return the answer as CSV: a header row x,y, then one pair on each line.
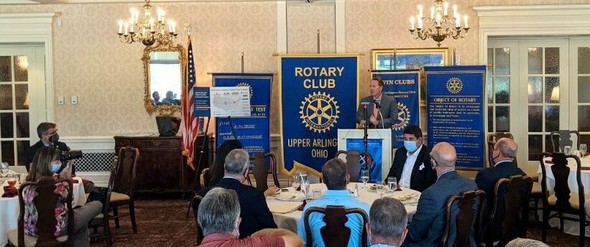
x,y
455,96
318,97
403,85
254,131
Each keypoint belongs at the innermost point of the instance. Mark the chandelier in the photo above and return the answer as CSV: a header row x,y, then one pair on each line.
x,y
146,29
440,25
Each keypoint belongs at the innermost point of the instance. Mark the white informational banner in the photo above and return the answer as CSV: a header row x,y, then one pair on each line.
x,y
230,101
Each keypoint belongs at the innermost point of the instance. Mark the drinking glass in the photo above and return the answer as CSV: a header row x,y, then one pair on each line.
x,y
365,177
11,180
296,185
380,190
392,182
567,150
583,149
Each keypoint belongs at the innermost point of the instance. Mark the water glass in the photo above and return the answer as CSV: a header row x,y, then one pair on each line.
x,y
11,178
295,183
381,190
567,150
365,177
583,149
392,182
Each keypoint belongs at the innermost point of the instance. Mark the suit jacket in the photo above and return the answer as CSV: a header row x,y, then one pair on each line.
x,y
254,210
29,153
422,174
428,224
388,110
486,180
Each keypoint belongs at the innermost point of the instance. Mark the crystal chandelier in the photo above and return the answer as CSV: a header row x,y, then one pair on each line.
x,y
146,29
440,25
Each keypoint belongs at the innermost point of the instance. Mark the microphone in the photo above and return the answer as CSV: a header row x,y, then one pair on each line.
x,y
377,104
365,104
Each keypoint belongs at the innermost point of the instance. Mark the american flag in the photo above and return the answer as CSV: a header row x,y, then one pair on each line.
x,y
189,122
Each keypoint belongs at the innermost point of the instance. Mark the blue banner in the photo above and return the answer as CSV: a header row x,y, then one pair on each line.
x,y
202,105
455,96
375,149
318,97
254,131
404,86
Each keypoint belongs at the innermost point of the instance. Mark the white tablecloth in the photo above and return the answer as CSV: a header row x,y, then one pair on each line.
x,y
9,209
289,220
570,227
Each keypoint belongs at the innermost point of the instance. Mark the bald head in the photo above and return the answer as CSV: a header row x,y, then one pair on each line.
x,y
507,147
444,154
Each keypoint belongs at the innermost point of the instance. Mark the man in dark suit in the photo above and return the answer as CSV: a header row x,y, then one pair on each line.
x,y
411,164
503,155
428,224
381,109
254,211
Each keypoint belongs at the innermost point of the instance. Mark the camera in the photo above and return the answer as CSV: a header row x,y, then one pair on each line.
x,y
70,155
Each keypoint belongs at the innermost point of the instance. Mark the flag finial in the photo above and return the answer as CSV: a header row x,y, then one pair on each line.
x,y
187,29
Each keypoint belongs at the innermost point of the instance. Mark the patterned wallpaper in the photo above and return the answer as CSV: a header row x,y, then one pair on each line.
x,y
107,75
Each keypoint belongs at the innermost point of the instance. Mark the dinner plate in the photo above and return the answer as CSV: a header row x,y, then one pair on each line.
x,y
290,196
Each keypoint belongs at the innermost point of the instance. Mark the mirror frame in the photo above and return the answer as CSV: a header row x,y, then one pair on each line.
x,y
163,110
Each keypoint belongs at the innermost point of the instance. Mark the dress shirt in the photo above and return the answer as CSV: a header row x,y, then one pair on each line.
x,y
229,240
383,245
335,198
406,177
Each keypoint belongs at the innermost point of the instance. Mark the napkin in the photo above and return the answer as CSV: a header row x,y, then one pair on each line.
x,y
282,207
10,191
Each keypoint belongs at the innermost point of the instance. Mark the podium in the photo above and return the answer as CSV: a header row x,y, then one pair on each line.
x,y
379,146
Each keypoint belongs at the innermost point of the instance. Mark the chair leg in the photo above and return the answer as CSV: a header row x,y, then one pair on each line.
x,y
132,215
544,225
582,229
188,210
560,222
107,233
116,214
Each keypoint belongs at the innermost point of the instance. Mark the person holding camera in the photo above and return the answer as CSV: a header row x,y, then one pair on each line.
x,y
48,136
46,165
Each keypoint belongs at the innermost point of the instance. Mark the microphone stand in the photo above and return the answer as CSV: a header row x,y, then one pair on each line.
x,y
380,114
366,141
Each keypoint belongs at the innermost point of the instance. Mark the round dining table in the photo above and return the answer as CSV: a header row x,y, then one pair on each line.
x,y
286,208
9,208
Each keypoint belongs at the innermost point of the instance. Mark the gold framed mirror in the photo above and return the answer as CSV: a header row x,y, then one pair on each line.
x,y
164,76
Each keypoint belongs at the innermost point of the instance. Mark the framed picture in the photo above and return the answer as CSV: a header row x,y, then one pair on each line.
x,y
409,58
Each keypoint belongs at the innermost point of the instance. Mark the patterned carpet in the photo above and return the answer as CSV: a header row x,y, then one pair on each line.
x,y
163,222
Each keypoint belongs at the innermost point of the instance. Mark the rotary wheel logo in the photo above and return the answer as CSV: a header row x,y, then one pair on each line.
x,y
403,117
243,84
454,85
319,112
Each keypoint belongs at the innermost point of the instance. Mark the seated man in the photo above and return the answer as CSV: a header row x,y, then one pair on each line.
x,y
254,212
428,224
388,223
219,218
503,155
335,177
48,136
411,164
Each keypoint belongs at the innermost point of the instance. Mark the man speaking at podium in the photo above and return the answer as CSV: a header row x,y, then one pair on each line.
x,y
380,110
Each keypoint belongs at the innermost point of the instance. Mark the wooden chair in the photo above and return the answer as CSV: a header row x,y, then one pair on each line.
x,y
464,218
353,164
205,177
261,170
563,201
102,220
44,201
335,233
195,202
562,138
509,216
124,185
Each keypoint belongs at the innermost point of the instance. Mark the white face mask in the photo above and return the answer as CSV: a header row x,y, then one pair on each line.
x,y
55,166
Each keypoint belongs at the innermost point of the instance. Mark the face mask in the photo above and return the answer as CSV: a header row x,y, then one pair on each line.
x,y
410,146
494,157
54,138
55,166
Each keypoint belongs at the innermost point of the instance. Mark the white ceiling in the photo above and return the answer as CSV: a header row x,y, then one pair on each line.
x,y
114,1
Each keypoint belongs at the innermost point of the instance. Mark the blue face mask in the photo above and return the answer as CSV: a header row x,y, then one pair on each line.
x,y
410,146
55,166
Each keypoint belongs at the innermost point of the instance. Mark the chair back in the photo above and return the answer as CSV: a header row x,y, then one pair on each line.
x,y
216,170
353,163
261,170
511,197
196,202
38,204
463,218
492,139
204,177
562,138
124,181
561,172
335,233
